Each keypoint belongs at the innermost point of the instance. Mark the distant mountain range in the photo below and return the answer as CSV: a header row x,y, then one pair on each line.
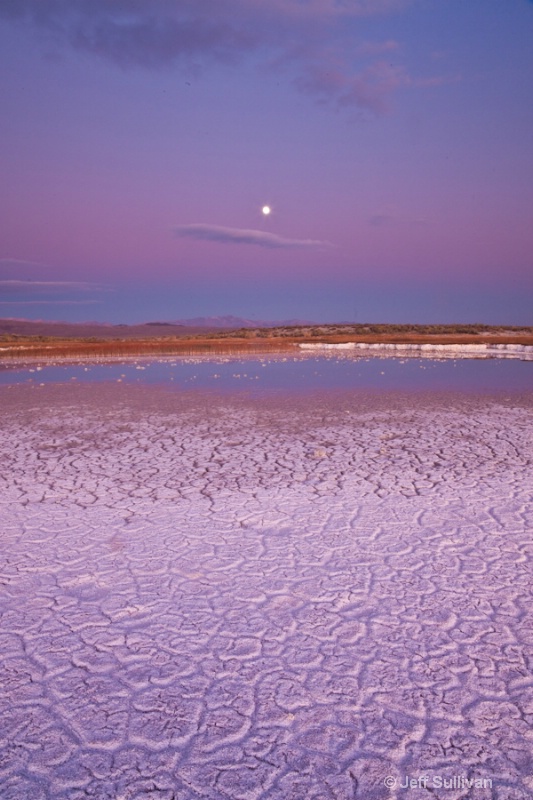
x,y
230,321
103,330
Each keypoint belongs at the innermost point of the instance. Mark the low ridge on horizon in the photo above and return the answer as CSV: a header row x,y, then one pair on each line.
x,y
16,326
219,321
225,324
231,321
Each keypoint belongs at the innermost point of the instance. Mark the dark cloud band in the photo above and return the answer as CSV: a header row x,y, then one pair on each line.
x,y
163,33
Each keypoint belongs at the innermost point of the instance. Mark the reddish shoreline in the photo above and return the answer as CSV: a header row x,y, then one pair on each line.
x,y
68,348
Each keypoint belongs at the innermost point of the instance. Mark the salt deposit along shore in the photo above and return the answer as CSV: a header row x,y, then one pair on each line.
x,y
524,352
224,598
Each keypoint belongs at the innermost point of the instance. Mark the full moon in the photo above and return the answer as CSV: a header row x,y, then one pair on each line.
x,y
266,210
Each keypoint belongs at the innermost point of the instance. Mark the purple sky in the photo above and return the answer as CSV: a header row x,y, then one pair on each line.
x,y
393,140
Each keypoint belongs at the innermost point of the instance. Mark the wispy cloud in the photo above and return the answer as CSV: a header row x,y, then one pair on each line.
x,y
369,89
18,262
136,33
193,34
49,302
32,287
219,233
16,292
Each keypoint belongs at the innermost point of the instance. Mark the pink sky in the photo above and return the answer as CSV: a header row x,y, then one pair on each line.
x,y
391,138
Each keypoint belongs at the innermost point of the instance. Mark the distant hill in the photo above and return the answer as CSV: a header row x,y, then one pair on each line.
x,y
96,330
102,330
230,321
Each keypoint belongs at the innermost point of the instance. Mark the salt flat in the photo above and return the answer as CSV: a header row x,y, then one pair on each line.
x,y
209,597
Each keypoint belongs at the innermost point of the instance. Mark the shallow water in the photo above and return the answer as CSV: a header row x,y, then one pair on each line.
x,y
298,374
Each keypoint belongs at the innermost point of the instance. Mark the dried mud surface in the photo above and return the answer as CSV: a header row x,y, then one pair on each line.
x,y
207,597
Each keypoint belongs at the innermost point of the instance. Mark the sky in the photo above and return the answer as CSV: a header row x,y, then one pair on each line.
x,y
391,139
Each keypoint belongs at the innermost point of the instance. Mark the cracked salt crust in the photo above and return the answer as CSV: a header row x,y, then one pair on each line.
x,y
222,598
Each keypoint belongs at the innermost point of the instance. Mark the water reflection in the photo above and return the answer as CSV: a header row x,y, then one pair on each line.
x,y
299,373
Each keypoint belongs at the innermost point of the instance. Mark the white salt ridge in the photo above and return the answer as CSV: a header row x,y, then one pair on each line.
x,y
523,352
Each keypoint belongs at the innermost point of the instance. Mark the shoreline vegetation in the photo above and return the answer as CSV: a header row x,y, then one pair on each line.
x,y
154,339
